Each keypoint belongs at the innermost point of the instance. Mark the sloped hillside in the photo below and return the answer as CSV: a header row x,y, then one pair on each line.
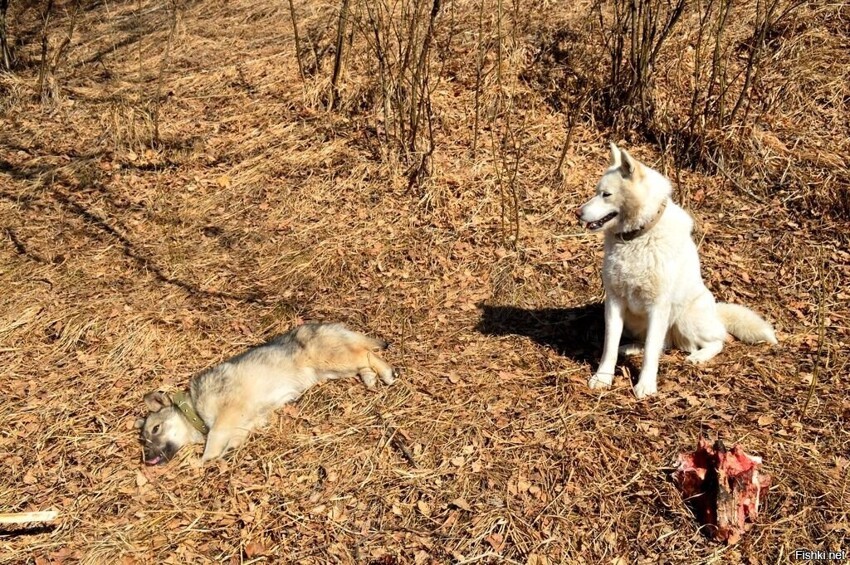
x,y
176,185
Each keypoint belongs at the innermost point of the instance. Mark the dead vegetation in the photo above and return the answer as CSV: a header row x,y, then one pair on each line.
x,y
191,187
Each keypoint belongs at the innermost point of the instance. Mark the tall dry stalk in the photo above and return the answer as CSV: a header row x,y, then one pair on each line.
x,y
338,56
574,111
5,52
43,63
479,63
297,38
420,108
507,149
163,66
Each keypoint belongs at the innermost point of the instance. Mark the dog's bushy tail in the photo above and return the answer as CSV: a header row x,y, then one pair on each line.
x,y
373,344
377,344
745,324
334,334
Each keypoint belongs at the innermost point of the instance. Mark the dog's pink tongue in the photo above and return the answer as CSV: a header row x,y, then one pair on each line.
x,y
153,461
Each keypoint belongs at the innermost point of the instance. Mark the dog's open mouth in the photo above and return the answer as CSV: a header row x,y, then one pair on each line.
x,y
593,226
156,460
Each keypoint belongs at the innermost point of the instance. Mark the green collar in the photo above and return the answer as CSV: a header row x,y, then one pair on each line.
x,y
183,402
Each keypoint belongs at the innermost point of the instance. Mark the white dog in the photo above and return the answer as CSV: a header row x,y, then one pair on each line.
x,y
651,274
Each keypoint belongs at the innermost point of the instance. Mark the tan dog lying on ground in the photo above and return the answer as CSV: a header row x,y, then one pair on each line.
x,y
226,402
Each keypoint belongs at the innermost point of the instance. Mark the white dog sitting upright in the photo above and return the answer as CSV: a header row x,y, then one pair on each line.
x,y
651,274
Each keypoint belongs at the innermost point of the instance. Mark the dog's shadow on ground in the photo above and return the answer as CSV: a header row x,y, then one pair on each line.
x,y
576,332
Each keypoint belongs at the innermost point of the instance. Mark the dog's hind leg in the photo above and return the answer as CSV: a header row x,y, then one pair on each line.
x,y
700,331
384,370
367,375
375,366
706,352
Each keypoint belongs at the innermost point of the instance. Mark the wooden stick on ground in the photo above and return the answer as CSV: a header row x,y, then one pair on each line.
x,y
27,517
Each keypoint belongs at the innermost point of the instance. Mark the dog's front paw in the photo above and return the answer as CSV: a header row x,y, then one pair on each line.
x,y
600,380
644,388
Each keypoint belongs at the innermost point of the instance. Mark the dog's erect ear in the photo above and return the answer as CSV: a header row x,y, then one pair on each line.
x,y
139,424
615,154
157,400
627,164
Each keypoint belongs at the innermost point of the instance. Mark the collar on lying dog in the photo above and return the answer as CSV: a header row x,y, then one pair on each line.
x,y
634,234
183,402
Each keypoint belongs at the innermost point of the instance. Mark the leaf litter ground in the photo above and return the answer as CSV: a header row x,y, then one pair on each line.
x,y
126,269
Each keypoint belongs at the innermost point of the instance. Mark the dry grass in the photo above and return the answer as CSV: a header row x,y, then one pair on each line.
x,y
128,266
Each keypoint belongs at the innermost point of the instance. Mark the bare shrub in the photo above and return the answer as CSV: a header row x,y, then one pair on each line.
x,y
633,31
720,86
399,36
51,59
726,71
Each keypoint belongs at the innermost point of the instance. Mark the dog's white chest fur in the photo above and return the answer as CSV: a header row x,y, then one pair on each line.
x,y
643,270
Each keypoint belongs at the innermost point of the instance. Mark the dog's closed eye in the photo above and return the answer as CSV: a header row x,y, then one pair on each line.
x,y
606,194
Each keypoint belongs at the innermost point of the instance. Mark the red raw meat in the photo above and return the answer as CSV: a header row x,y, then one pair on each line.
x,y
723,487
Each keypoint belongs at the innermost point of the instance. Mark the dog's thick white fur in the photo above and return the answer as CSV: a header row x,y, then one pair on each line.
x,y
651,272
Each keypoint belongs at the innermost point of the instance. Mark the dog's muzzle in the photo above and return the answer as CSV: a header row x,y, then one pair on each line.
x,y
155,456
598,224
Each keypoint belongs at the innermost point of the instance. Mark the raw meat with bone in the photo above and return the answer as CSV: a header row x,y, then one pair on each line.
x,y
723,488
